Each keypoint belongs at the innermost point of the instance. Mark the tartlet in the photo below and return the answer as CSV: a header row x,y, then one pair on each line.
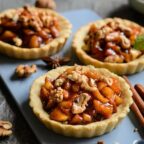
x,y
32,33
80,101
109,43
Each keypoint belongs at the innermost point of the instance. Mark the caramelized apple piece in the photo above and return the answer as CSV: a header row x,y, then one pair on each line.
x,y
58,115
49,104
108,92
48,85
77,119
73,96
35,41
69,70
87,118
67,85
92,75
66,104
99,97
102,109
101,85
7,35
116,86
118,100
44,93
65,94
114,99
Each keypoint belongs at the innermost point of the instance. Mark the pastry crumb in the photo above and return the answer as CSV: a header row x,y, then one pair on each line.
x,y
135,130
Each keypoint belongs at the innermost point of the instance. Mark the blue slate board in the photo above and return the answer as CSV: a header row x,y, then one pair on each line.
x,y
19,88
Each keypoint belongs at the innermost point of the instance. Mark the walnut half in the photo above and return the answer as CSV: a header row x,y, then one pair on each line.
x,y
80,103
5,128
25,70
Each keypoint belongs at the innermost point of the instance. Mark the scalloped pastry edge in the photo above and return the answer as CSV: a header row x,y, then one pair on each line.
x,y
89,130
34,53
132,67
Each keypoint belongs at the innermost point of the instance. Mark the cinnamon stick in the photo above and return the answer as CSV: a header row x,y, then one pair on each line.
x,y
138,114
138,100
140,89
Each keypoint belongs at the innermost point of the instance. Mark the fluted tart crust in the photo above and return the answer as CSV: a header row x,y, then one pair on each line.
x,y
110,45
93,111
32,33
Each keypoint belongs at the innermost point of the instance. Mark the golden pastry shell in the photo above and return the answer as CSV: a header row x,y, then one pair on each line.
x,y
131,67
89,130
35,53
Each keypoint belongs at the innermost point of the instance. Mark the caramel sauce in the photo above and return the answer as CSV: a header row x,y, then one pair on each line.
x,y
99,47
29,28
96,109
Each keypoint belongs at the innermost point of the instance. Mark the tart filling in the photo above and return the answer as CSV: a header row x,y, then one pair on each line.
x,y
109,43
80,96
112,42
32,33
29,29
80,101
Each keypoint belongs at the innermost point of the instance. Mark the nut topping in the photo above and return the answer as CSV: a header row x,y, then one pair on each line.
x,y
25,70
125,42
28,28
57,95
5,128
80,96
80,103
59,82
17,41
112,42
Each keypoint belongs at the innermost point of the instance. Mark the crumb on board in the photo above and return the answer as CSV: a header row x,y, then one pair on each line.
x,y
135,130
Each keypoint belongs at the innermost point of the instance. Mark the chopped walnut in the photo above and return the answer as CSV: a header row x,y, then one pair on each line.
x,y
125,42
57,95
15,17
114,59
25,70
77,77
107,30
113,37
87,87
125,29
82,80
74,76
17,41
92,82
5,128
108,80
80,103
59,82
112,24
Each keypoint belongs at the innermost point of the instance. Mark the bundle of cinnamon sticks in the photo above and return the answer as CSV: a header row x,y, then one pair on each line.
x,y
138,105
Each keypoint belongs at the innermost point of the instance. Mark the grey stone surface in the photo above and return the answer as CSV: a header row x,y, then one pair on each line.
x,y
8,109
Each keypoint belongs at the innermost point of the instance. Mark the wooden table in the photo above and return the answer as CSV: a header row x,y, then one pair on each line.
x,y
8,110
